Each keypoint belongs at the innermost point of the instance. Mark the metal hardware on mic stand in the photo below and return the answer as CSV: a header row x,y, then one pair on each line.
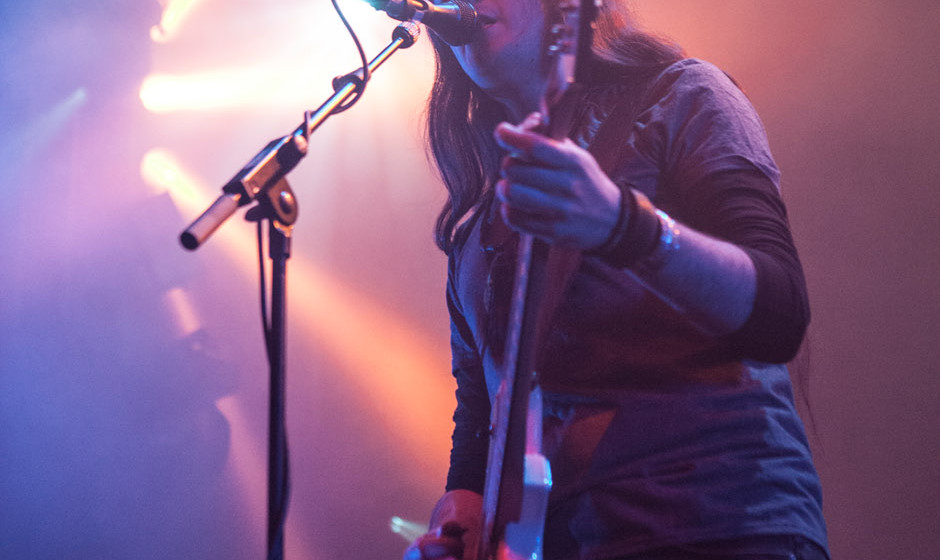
x,y
263,181
279,207
282,154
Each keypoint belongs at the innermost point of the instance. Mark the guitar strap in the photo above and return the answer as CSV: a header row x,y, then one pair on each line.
x,y
616,128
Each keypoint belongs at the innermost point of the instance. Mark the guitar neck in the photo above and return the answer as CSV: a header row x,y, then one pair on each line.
x,y
514,499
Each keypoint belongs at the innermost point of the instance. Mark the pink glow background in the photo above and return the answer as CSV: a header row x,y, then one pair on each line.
x,y
120,439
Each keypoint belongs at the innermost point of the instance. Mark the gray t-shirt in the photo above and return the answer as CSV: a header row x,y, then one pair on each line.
x,y
657,434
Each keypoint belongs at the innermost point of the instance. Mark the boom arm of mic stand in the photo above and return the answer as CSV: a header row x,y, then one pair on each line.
x,y
281,155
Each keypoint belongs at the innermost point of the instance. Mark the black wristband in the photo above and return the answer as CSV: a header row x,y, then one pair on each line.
x,y
635,234
627,209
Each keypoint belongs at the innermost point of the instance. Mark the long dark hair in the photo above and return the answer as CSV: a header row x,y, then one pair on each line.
x,y
460,117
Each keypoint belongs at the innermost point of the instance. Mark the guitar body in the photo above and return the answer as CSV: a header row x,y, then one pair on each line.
x,y
518,478
523,538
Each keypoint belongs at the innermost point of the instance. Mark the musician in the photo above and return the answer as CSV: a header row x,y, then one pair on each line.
x,y
669,420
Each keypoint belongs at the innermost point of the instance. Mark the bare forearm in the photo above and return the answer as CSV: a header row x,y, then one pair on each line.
x,y
710,280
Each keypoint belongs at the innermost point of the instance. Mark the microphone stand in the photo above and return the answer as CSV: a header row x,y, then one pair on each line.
x,y
263,181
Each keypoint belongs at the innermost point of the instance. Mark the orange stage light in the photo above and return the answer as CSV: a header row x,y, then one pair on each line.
x,y
216,90
394,364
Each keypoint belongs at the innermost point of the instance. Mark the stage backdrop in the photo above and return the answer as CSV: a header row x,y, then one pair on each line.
x,y
133,382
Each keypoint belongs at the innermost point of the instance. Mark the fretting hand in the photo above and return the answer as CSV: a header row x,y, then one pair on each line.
x,y
554,189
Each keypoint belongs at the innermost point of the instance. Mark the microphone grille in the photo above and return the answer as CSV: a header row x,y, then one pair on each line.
x,y
454,21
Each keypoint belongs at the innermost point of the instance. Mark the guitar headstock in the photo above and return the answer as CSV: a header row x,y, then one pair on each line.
x,y
568,49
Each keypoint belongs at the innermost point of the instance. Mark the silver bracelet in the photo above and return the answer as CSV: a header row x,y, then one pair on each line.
x,y
669,241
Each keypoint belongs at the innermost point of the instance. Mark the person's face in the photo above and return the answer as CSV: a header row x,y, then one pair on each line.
x,y
505,57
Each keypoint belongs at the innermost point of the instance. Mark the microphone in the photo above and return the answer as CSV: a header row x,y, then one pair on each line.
x,y
454,21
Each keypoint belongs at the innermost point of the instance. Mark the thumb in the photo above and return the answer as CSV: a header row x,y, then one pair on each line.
x,y
519,139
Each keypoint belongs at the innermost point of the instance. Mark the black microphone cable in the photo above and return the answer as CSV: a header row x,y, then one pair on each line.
x,y
366,74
